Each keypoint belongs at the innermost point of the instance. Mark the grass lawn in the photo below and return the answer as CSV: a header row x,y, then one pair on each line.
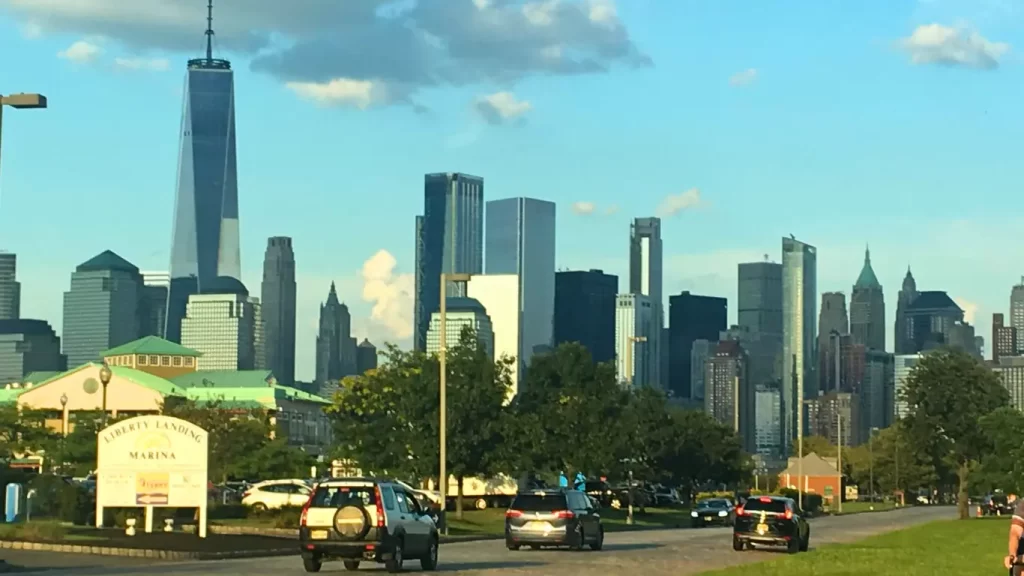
x,y
960,547
492,521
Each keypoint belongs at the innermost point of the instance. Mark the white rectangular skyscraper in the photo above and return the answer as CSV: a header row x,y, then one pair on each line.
x,y
799,333
645,277
499,295
636,327
520,239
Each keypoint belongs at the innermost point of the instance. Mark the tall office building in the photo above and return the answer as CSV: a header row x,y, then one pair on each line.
x,y
28,346
10,288
933,320
520,240
903,338
1017,312
499,295
205,243
903,365
832,321
867,308
450,239
636,326
335,354
691,318
730,399
768,421
877,394
799,361
759,312
278,310
1010,370
223,325
102,308
700,352
461,313
646,264
585,311
1004,338
155,286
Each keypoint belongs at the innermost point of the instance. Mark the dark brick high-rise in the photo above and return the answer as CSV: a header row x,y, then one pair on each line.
x,y
691,317
278,301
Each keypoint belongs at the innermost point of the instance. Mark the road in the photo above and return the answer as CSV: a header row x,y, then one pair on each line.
x,y
659,553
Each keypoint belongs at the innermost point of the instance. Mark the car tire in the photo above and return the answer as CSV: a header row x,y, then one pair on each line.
x,y
806,543
598,544
794,546
578,539
737,544
429,562
312,563
351,564
480,504
394,563
512,547
259,507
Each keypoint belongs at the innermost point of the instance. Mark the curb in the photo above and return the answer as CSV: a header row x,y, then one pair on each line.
x,y
143,552
293,533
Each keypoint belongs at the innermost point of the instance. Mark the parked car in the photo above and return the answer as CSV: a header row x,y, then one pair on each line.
x,y
713,511
771,521
365,519
996,505
273,494
558,517
600,491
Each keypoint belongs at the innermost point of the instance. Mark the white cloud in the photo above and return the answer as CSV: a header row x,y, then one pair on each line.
x,y
482,4
501,107
944,45
583,208
970,310
32,30
675,203
81,52
602,12
744,78
390,293
361,94
540,13
613,209
148,64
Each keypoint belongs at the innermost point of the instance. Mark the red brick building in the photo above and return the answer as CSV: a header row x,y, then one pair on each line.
x,y
819,476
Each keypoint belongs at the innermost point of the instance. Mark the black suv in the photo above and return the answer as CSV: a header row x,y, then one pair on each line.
x,y
770,521
553,518
366,519
713,511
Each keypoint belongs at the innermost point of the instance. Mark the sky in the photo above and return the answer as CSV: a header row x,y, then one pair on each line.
x,y
845,123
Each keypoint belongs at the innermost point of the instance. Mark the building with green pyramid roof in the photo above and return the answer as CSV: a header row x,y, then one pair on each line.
x,y
867,308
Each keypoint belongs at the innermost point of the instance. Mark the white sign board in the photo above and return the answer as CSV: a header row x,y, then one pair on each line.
x,y
152,461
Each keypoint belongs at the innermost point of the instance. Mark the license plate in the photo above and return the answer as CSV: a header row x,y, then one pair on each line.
x,y
762,529
707,518
538,526
318,534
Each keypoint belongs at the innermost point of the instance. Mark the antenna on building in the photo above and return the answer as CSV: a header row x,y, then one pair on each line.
x,y
766,258
209,31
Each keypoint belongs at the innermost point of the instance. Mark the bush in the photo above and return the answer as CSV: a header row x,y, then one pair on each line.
x,y
280,518
703,495
33,532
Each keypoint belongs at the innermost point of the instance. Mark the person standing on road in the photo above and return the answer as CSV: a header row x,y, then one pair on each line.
x,y
563,481
1016,533
580,482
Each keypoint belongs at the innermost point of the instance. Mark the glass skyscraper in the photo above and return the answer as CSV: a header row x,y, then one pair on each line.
x,y
645,277
449,239
278,290
10,288
799,360
205,241
521,241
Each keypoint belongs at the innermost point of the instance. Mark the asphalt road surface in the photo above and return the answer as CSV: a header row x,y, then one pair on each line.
x,y
657,553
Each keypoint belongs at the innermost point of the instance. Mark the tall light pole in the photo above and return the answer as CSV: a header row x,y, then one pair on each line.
x,y
442,479
839,459
105,375
63,428
871,464
21,102
631,341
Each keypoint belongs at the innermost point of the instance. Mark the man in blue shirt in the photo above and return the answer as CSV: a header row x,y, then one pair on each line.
x,y
581,482
563,482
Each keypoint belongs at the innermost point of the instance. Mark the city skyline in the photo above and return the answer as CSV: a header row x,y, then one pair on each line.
x,y
943,243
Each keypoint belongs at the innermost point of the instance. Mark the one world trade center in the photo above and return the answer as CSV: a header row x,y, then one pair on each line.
x,y
205,242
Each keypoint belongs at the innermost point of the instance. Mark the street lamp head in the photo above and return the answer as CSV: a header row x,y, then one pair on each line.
x,y
105,374
63,400
24,101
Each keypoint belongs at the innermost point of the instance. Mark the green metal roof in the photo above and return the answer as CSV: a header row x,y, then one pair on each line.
x,y
152,345
148,380
225,379
867,278
41,376
107,260
296,395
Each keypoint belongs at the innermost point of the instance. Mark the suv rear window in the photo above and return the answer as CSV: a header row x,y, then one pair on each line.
x,y
539,502
759,505
339,496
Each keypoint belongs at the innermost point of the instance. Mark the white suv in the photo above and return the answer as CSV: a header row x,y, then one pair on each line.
x,y
273,494
366,519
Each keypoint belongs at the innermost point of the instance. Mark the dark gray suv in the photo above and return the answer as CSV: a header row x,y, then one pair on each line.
x,y
553,518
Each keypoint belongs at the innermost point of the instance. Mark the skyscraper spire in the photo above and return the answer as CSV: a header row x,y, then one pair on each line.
x,y
209,31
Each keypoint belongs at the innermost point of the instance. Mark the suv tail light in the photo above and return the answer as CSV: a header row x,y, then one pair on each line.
x,y
305,510
789,514
380,507
246,494
740,511
513,513
564,514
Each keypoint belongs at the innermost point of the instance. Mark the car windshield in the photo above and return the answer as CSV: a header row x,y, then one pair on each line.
x,y
340,496
539,502
998,499
765,505
713,503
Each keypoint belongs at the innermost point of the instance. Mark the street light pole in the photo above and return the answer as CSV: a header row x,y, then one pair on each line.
x,y
19,101
105,376
442,479
871,464
839,459
63,427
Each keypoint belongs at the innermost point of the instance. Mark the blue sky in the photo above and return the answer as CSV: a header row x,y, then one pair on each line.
x,y
893,123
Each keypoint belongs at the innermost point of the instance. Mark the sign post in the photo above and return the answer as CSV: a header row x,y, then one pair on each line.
x,y
149,462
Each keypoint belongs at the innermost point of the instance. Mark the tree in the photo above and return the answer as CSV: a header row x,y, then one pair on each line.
x,y
700,451
817,444
947,394
891,460
1003,466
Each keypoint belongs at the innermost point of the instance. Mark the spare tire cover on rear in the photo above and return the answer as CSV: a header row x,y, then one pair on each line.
x,y
352,522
